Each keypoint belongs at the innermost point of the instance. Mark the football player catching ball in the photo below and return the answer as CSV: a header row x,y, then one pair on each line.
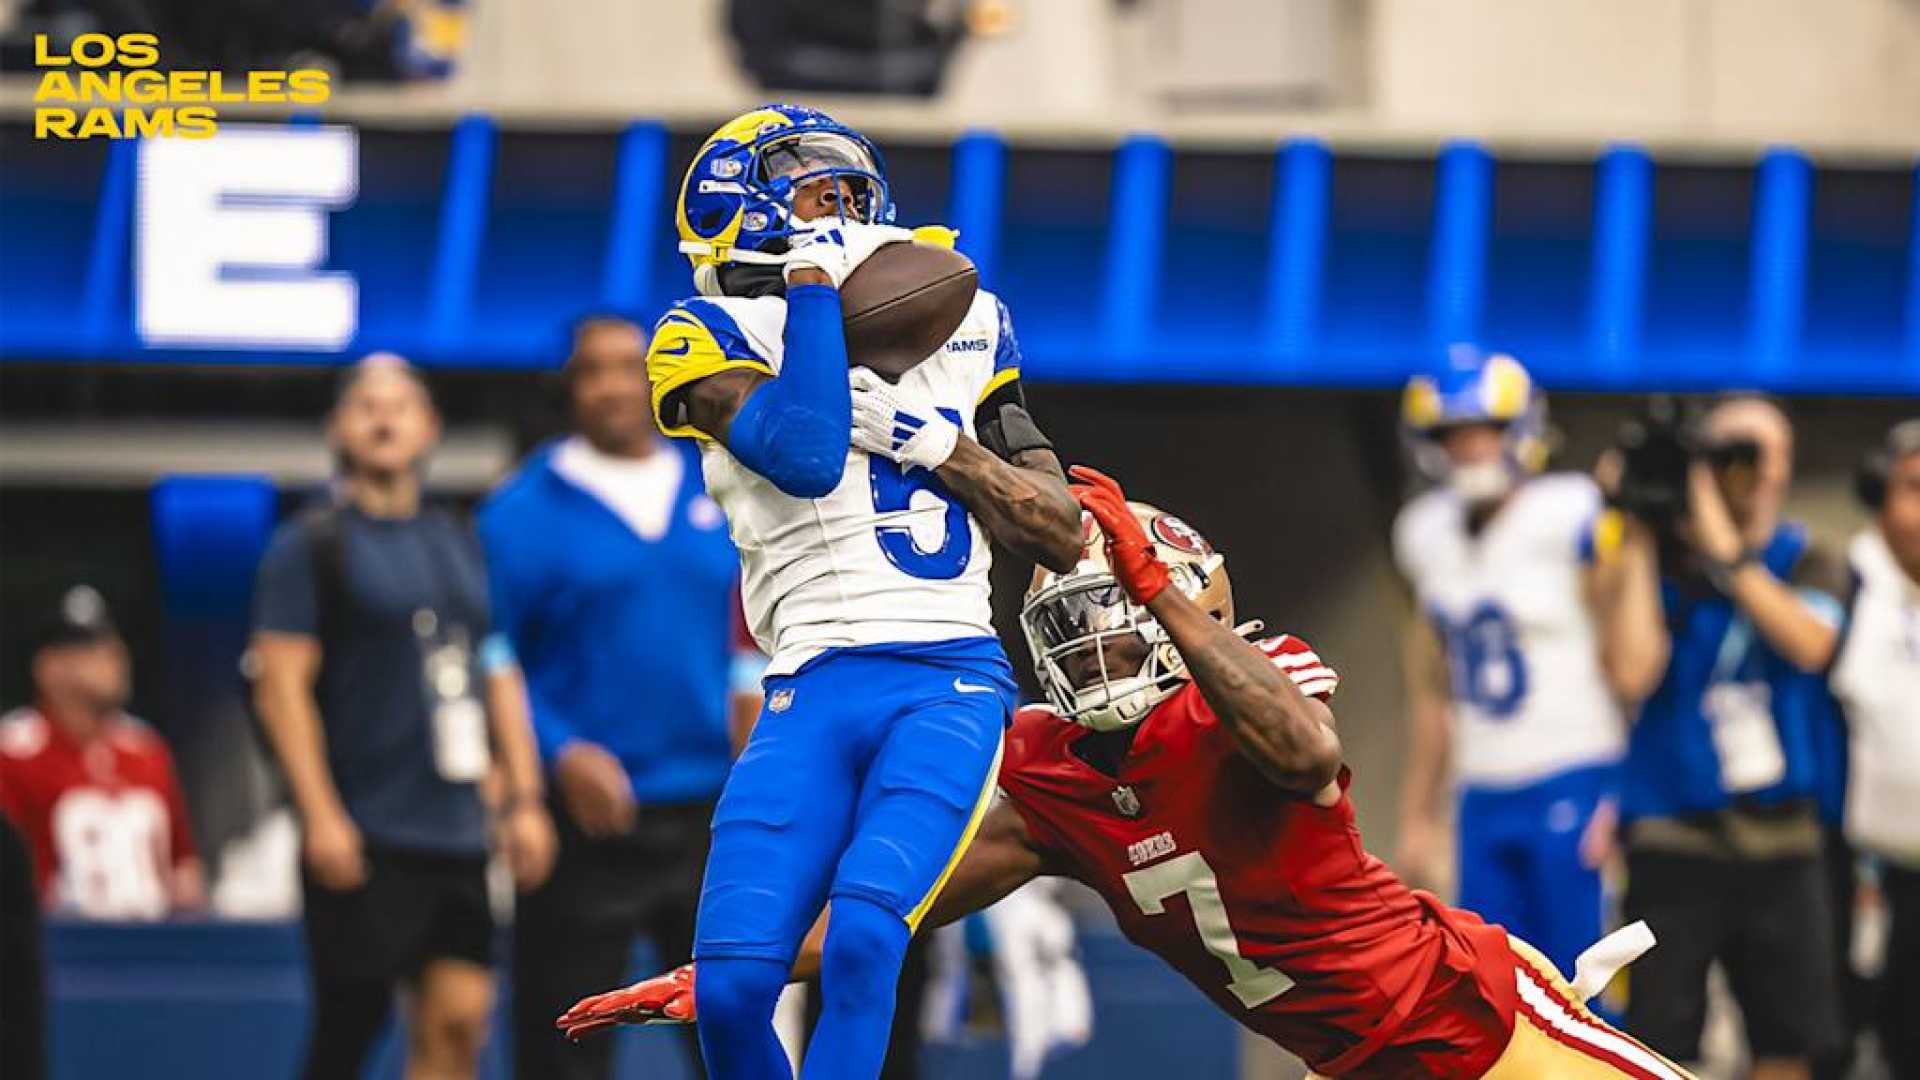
x,y
1190,774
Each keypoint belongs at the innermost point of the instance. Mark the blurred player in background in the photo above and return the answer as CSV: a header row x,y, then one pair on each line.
x,y
858,509
1043,994
386,696
1518,660
613,577
1192,777
92,789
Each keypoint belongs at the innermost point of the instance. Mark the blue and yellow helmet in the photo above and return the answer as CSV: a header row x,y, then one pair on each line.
x,y
736,202
1475,387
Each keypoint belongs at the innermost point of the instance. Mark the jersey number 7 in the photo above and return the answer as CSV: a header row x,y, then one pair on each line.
x,y
1252,984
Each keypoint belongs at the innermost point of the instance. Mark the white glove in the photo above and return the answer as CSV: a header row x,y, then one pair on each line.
x,y
893,426
837,247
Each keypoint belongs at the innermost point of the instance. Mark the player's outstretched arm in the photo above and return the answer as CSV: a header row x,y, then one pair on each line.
x,y
1014,486
1287,735
1001,859
1024,503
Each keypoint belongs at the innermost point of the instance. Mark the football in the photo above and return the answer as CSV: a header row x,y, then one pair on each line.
x,y
904,302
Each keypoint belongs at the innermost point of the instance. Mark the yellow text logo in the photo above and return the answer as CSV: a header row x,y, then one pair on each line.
x,y
109,86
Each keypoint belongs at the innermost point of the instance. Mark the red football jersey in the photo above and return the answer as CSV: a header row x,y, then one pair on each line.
x,y
105,819
1269,904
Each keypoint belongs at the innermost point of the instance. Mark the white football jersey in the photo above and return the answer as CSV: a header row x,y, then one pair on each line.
x,y
1529,697
889,555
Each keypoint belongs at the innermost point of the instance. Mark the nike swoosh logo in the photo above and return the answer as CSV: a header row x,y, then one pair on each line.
x,y
969,688
686,346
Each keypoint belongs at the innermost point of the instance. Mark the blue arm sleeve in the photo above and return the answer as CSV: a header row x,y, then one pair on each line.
x,y
795,429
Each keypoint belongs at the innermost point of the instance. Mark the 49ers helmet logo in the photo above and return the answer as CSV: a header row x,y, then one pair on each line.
x,y
1179,535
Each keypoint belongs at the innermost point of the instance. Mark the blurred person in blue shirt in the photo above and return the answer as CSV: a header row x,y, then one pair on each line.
x,y
1729,760
614,577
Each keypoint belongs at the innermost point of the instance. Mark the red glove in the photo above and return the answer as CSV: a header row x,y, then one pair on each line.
x,y
663,999
1129,551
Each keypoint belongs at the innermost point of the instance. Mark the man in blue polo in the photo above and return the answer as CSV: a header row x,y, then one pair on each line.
x,y
613,576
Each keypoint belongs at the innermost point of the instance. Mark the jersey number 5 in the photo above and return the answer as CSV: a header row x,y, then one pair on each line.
x,y
893,491
1252,984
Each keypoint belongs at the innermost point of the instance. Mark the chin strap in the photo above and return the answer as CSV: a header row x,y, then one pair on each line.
x,y
738,272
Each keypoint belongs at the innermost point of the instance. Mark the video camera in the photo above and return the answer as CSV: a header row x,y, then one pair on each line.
x,y
1656,451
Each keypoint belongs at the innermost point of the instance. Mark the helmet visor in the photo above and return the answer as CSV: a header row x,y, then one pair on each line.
x,y
1086,632
826,157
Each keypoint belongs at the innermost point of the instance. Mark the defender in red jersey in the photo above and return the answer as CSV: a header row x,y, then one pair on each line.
x,y
1198,789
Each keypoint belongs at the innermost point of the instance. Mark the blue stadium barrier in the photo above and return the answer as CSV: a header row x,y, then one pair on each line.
x,y
1136,242
463,217
1297,240
1457,272
1913,280
642,217
1280,270
230,1000
1779,261
1623,214
977,193
107,257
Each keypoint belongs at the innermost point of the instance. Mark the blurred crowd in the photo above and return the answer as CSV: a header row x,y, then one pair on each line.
x,y
1645,673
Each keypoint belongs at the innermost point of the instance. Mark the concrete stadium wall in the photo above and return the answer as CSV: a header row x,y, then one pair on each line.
x,y
1838,72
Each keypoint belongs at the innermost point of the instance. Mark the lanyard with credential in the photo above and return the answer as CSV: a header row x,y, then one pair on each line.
x,y
1740,718
1734,642
460,749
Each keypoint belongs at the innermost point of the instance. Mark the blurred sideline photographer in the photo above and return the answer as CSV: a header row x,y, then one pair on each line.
x,y
1876,676
92,790
614,577
376,681
1725,765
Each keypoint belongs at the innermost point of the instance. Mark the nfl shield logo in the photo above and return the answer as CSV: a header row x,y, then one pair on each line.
x,y
780,701
1126,801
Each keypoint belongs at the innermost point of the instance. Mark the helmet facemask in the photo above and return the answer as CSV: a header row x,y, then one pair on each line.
x,y
1082,629
792,163
1080,626
737,202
